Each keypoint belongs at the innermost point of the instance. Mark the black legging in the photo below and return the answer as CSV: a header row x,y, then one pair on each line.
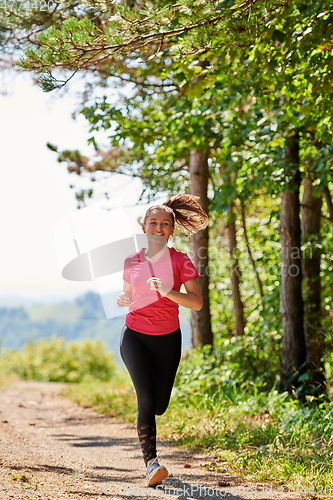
x,y
152,362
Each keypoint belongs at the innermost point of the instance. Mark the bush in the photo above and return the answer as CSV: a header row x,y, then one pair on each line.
x,y
208,377
55,360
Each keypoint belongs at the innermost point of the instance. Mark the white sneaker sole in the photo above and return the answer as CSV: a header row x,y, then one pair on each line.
x,y
158,477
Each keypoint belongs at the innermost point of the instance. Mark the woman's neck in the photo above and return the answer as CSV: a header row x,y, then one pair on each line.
x,y
154,252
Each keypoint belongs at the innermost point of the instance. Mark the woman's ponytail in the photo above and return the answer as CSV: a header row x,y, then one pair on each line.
x,y
188,212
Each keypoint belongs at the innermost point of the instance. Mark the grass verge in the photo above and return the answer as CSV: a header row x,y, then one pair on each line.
x,y
116,399
6,380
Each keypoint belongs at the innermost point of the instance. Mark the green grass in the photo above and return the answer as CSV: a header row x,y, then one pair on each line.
x,y
115,398
260,437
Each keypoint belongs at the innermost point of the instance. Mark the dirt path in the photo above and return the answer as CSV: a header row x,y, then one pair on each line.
x,y
51,449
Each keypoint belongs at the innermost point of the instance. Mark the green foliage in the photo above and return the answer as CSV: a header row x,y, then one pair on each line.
x,y
55,360
254,356
237,365
84,41
262,436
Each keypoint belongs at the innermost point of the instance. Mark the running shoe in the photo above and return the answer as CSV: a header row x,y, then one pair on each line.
x,y
156,473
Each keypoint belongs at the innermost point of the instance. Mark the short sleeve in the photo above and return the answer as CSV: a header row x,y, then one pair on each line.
x,y
126,274
187,271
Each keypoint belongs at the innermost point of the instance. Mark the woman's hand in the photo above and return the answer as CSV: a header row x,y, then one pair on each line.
x,y
157,285
123,299
191,299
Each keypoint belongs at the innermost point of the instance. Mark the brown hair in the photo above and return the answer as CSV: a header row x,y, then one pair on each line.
x,y
185,210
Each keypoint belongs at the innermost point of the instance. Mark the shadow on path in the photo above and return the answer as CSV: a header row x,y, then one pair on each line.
x,y
94,441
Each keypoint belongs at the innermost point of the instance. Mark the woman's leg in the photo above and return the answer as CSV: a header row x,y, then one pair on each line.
x,y
167,353
140,365
152,361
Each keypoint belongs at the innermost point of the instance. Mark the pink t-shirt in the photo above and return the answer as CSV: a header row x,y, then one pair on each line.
x,y
150,313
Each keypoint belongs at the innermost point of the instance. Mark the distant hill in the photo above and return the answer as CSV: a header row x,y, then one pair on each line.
x,y
74,320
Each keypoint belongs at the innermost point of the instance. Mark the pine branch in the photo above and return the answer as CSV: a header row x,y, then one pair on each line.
x,y
84,56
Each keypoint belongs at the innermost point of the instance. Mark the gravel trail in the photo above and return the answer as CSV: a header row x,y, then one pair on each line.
x,y
52,449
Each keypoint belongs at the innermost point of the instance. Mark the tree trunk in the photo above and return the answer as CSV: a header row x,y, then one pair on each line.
x,y
200,320
291,302
329,203
249,252
311,217
234,275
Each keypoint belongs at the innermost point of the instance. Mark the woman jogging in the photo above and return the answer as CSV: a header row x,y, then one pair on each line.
x,y
150,343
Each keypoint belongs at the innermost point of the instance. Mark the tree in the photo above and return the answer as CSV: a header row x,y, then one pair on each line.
x,y
302,78
311,222
237,82
293,348
200,320
235,274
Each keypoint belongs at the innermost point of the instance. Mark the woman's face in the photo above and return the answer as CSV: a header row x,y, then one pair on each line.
x,y
158,225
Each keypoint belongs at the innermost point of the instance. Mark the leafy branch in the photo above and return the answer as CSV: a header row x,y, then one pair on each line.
x,y
79,44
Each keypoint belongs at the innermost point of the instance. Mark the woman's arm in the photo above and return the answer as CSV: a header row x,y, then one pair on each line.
x,y
127,288
125,297
191,299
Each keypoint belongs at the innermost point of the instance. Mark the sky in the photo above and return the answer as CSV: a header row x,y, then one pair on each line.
x,y
35,198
